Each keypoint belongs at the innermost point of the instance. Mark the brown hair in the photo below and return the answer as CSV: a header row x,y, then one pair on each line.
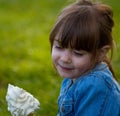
x,y
84,25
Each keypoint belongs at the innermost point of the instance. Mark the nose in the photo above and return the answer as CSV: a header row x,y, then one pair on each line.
x,y
66,56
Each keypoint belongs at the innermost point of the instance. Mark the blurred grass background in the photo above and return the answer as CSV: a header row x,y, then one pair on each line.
x,y
25,59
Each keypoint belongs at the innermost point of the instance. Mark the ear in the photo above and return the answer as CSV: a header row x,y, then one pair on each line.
x,y
103,51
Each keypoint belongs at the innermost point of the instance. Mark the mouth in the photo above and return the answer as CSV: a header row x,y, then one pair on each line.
x,y
66,68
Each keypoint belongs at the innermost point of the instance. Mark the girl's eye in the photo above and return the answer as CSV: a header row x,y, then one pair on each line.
x,y
78,53
58,47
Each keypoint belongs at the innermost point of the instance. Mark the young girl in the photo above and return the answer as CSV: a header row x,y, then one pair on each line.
x,y
80,41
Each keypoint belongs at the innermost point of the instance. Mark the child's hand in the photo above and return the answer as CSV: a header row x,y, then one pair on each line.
x,y
31,114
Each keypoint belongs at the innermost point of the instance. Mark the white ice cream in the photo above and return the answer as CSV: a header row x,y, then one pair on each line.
x,y
20,102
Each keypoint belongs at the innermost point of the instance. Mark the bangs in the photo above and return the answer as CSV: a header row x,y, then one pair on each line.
x,y
78,31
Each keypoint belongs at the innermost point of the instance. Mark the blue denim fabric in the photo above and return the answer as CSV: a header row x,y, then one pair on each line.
x,y
94,94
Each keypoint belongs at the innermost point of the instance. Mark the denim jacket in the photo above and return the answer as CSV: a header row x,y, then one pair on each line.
x,y
94,94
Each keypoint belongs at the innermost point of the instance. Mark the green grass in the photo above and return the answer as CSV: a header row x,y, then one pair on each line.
x,y
25,59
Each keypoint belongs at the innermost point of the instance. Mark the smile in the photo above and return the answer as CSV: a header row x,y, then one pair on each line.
x,y
65,68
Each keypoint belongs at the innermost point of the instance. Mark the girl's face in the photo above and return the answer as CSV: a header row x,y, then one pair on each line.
x,y
70,63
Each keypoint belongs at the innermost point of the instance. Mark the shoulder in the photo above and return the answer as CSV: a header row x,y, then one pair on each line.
x,y
100,77
94,95
93,83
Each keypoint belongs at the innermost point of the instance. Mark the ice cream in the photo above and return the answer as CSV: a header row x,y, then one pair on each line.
x,y
20,102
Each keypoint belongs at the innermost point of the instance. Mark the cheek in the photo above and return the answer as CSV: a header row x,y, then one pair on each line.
x,y
83,64
54,57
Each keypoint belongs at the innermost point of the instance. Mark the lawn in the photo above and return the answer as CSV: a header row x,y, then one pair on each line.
x,y
25,58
